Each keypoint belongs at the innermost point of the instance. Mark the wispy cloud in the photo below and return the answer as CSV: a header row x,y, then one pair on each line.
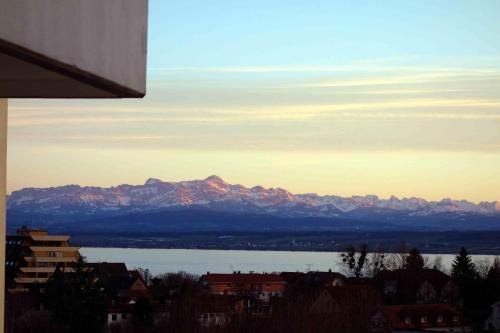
x,y
115,138
382,66
398,80
408,108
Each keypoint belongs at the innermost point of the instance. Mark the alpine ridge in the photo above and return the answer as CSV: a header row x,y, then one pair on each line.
x,y
214,193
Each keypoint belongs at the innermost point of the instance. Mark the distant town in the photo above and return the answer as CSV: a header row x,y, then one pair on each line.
x,y
444,242
52,288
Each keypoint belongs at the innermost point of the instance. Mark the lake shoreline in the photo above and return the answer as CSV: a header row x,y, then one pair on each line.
x,y
487,243
263,250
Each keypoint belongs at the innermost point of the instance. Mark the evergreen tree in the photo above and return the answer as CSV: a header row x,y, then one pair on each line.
x,y
474,292
463,269
76,300
415,261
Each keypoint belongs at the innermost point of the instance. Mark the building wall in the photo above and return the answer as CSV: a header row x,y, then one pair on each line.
x,y
3,174
105,38
44,262
219,288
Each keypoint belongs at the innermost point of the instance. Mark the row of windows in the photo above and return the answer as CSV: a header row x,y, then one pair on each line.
x,y
14,242
424,320
114,316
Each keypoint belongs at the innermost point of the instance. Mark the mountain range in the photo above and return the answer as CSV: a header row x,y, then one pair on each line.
x,y
213,195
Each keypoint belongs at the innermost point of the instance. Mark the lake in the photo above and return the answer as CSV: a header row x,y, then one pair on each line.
x,y
226,261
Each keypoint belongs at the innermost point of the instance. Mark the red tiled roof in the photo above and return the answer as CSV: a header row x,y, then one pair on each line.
x,y
242,278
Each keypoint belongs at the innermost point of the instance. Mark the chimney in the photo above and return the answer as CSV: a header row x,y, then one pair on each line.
x,y
208,273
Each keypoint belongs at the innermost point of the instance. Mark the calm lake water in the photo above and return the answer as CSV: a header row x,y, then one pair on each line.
x,y
227,261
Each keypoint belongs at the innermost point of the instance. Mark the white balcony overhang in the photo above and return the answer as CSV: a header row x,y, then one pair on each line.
x,y
50,238
50,259
44,269
73,48
54,248
30,280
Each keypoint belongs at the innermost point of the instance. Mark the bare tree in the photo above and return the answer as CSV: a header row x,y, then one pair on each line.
x,y
427,262
483,267
376,262
438,263
354,260
398,259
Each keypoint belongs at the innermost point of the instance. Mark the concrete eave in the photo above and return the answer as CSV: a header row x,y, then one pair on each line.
x,y
101,87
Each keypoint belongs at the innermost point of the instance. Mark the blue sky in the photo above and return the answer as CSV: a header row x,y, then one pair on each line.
x,y
285,33
388,98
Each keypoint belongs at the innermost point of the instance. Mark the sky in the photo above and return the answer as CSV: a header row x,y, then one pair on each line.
x,y
387,98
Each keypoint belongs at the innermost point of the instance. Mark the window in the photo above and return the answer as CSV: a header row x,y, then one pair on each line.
x,y
423,320
113,317
439,319
124,316
55,254
455,318
407,320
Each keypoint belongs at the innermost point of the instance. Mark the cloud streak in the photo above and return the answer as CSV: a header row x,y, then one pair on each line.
x,y
440,110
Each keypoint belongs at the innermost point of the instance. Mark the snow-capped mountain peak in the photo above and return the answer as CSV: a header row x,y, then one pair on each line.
x,y
214,193
215,179
152,181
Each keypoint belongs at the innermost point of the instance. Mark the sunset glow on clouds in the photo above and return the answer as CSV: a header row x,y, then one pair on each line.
x,y
357,119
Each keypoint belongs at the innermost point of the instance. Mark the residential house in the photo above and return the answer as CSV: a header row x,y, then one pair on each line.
x,y
123,290
349,308
325,279
426,318
291,278
218,310
402,286
262,286
32,256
